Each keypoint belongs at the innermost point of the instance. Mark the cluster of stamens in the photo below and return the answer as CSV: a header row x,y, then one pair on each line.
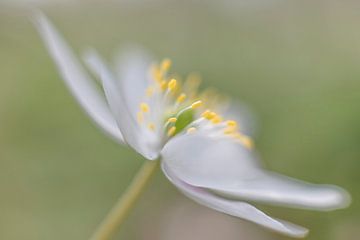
x,y
179,109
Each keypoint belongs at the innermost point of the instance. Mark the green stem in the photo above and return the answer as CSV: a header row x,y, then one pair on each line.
x,y
117,215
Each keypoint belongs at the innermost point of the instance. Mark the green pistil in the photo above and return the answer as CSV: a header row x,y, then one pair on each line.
x,y
184,118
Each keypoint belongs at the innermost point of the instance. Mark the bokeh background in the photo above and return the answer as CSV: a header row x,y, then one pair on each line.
x,y
295,63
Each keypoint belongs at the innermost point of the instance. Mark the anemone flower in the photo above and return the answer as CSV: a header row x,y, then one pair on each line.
x,y
200,139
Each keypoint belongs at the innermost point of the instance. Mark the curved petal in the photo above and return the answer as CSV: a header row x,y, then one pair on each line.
x,y
79,83
234,208
132,65
280,190
133,135
230,169
204,161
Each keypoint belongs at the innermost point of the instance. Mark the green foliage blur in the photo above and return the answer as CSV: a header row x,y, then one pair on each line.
x,y
295,63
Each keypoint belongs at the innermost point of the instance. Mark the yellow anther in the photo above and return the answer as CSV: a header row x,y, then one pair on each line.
x,y
196,104
151,126
181,98
172,84
156,73
231,123
140,117
216,119
230,130
212,115
193,80
191,130
149,91
165,65
144,107
209,94
163,85
191,85
172,120
207,114
245,140
232,127
171,131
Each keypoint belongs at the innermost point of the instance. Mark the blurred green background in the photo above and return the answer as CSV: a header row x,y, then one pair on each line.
x,y
296,63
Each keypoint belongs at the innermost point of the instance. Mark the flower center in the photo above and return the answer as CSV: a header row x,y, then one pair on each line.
x,y
171,107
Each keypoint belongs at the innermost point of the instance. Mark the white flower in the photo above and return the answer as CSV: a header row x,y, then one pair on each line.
x,y
205,156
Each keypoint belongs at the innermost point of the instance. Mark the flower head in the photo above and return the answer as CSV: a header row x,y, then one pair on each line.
x,y
203,144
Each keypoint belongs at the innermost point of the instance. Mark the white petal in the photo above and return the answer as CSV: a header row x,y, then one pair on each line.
x,y
203,161
133,135
79,83
235,208
280,190
228,168
132,66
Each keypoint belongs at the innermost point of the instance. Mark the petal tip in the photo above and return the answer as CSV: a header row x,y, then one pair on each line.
x,y
342,198
297,231
334,198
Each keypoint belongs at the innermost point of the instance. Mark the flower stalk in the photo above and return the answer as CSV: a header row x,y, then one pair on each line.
x,y
118,213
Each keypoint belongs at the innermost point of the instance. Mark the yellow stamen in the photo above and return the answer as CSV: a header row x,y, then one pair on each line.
x,y
140,117
172,84
192,84
216,119
144,107
149,91
245,140
213,114
151,126
163,85
165,65
172,120
171,131
231,123
191,130
193,81
207,115
230,130
196,104
181,98
209,94
156,73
